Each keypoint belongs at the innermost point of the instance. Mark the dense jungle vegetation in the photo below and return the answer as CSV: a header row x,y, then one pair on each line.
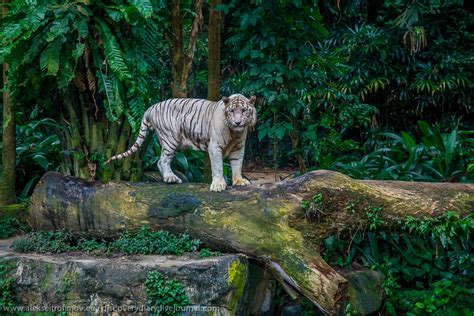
x,y
378,89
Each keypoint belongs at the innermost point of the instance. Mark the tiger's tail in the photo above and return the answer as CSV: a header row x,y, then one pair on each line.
x,y
144,127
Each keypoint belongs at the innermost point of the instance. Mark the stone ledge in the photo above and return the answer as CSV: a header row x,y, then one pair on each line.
x,y
95,283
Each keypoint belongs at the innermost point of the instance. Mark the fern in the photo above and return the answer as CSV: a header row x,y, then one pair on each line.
x,y
105,85
49,59
113,52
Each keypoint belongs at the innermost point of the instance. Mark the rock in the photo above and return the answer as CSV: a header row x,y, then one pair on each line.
x,y
218,284
291,310
262,287
365,291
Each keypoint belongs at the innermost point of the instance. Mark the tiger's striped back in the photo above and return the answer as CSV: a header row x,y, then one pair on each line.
x,y
184,122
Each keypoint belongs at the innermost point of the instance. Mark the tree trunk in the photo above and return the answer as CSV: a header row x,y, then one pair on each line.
x,y
181,60
8,159
214,50
214,67
88,137
266,222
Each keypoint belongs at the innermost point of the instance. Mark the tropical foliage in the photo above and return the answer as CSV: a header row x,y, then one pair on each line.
x,y
375,89
86,64
426,265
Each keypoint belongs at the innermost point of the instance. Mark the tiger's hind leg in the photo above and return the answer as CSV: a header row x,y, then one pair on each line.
x,y
168,150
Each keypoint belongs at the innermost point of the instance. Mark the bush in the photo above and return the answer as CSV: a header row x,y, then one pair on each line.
x,y
427,263
436,156
144,241
43,242
159,242
165,294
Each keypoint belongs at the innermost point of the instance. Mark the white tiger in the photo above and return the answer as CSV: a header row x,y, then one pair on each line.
x,y
218,127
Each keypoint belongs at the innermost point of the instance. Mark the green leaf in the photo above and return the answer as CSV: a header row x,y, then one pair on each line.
x,y
182,161
49,59
408,141
28,187
280,132
113,52
109,102
41,160
144,7
78,51
450,147
59,28
66,73
261,134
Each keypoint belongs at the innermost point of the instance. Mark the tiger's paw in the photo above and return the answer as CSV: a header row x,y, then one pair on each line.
x,y
240,182
218,185
172,179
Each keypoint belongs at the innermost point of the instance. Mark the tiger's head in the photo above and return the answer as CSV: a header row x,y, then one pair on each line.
x,y
239,112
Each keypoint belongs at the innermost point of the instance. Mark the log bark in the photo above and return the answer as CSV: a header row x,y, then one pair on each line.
x,y
264,222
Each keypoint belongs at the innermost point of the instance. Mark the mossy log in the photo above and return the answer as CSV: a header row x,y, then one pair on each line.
x,y
265,222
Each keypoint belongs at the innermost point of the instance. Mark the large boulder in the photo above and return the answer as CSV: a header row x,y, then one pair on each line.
x,y
216,285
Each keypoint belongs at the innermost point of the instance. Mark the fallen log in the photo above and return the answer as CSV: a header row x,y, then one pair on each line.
x,y
281,224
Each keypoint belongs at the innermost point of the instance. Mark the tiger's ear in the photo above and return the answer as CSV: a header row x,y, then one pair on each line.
x,y
225,100
252,100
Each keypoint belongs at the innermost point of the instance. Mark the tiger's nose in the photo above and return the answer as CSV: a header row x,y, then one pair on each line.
x,y
238,123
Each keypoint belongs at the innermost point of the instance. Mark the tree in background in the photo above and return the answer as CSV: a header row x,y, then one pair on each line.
x,y
181,58
214,51
214,65
278,57
93,75
8,158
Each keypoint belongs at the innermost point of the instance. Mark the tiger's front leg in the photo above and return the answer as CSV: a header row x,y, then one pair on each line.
x,y
215,154
236,160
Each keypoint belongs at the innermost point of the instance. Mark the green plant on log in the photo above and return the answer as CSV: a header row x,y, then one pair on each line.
x,y
86,64
373,217
313,208
164,294
426,263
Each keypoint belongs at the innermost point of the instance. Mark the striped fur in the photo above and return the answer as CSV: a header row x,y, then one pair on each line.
x,y
217,127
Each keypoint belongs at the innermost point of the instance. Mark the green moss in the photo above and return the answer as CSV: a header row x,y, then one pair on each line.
x,y
236,275
46,281
67,281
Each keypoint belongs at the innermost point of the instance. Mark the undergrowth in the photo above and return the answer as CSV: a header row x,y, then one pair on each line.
x,y
7,299
427,263
143,241
164,294
11,226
